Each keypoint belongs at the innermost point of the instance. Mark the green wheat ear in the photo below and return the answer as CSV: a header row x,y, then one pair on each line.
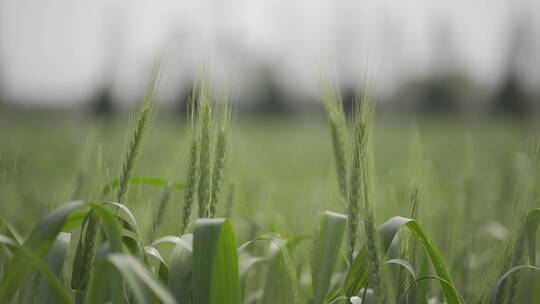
x,y
333,106
361,183
146,114
220,152
205,146
408,245
90,234
193,170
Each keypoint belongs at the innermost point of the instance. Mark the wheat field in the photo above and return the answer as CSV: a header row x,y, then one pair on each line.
x,y
214,207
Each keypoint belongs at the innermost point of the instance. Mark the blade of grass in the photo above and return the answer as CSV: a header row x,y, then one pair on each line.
x,y
388,231
39,242
145,181
326,250
493,299
216,276
139,280
55,259
181,269
57,289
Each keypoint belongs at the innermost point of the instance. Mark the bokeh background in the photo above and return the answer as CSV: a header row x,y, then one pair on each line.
x,y
474,57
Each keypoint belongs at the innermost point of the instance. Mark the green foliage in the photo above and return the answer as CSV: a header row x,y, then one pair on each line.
x,y
216,277
326,251
280,184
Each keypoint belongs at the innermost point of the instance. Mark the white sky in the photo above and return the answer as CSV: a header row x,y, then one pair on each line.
x,y
60,51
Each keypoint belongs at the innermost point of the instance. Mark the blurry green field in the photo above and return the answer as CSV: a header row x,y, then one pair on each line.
x,y
277,165
282,174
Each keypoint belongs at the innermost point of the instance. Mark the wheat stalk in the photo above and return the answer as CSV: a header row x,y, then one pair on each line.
x,y
220,154
360,187
163,202
408,247
333,105
146,113
192,171
205,145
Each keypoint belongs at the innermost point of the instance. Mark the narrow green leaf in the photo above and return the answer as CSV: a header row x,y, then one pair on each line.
x,y
110,225
388,231
180,267
62,296
281,285
6,228
358,272
216,276
55,259
530,226
74,220
513,270
326,250
139,280
144,180
163,271
410,269
185,241
126,215
39,242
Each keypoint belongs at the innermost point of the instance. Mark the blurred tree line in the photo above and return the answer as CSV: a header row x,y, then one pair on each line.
x,y
444,91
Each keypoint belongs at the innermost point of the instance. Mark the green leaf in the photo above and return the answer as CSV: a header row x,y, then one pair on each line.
x,y
126,215
55,259
358,272
180,267
6,228
216,276
530,226
39,242
139,280
163,271
281,285
74,220
144,180
388,231
8,242
62,296
247,262
110,225
495,291
411,271
185,241
326,250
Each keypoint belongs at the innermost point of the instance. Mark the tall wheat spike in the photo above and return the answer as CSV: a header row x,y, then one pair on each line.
x,y
146,114
90,234
361,184
220,154
205,146
408,247
192,171
333,105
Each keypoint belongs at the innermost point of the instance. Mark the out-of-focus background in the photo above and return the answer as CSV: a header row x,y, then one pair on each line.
x,y
474,57
463,74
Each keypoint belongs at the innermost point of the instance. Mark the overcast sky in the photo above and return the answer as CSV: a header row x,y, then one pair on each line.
x,y
61,51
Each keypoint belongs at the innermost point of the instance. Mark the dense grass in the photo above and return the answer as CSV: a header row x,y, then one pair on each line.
x,y
468,185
